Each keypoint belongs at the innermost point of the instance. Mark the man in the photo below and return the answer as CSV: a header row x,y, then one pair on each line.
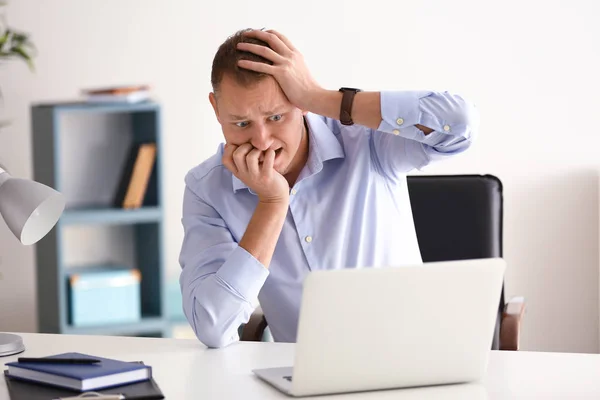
x,y
308,179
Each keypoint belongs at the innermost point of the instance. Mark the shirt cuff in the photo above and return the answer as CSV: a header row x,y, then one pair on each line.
x,y
244,273
401,111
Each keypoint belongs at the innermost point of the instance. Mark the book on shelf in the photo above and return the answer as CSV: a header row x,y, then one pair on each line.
x,y
136,176
118,94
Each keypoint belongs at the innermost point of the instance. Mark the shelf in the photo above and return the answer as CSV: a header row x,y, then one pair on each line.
x,y
81,149
147,325
102,107
111,216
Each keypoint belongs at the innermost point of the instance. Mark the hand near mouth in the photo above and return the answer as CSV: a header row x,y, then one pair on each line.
x,y
256,169
263,153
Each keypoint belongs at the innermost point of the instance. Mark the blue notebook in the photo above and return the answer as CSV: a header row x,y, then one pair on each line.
x,y
106,373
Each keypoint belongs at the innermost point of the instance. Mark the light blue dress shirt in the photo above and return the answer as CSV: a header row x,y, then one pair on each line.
x,y
350,208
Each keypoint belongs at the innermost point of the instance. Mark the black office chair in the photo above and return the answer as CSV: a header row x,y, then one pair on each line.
x,y
457,217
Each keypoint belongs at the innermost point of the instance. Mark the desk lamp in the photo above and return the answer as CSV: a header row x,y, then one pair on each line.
x,y
30,209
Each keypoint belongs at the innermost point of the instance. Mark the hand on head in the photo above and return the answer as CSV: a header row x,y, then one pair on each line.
x,y
289,68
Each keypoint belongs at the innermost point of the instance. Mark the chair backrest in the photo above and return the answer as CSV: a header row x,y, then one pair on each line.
x,y
458,217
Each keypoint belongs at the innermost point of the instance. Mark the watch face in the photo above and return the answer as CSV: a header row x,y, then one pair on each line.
x,y
348,89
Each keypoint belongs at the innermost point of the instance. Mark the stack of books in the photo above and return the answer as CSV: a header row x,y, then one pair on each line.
x,y
69,374
136,176
117,94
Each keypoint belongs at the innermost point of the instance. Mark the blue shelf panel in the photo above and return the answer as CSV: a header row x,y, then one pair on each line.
x,y
148,325
111,216
177,320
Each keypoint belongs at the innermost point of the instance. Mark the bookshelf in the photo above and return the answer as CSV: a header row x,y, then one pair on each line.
x,y
82,150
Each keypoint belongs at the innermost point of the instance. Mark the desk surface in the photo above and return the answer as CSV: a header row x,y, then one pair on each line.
x,y
185,369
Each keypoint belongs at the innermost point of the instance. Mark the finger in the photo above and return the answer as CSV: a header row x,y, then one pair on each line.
x,y
268,162
271,39
262,51
257,66
252,162
239,157
228,158
283,38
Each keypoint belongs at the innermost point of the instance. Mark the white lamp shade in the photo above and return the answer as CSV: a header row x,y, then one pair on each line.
x,y
29,208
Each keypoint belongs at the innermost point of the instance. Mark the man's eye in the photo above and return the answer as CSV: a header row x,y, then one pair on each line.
x,y
275,117
242,124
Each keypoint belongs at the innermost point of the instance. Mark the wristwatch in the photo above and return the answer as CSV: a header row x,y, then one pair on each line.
x,y
346,107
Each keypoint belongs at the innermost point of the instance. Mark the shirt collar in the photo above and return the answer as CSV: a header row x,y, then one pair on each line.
x,y
322,146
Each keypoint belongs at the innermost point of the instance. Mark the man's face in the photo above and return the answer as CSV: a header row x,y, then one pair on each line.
x,y
262,116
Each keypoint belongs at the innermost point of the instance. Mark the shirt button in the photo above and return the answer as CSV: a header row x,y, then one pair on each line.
x,y
396,132
446,128
308,239
399,121
294,191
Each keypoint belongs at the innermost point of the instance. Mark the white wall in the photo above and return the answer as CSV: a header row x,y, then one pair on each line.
x,y
531,67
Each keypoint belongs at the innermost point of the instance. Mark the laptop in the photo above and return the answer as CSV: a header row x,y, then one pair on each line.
x,y
395,327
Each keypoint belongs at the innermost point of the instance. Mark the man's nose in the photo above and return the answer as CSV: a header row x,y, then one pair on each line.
x,y
262,139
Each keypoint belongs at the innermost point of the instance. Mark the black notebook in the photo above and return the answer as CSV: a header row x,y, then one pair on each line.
x,y
23,390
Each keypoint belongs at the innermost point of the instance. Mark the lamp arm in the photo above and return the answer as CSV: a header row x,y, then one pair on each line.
x,y
4,176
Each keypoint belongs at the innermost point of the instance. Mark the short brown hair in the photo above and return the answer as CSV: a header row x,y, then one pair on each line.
x,y
227,57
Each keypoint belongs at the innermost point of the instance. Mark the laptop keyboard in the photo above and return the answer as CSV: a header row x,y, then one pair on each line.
x,y
288,378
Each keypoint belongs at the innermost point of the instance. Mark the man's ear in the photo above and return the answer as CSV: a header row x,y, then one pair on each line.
x,y
213,101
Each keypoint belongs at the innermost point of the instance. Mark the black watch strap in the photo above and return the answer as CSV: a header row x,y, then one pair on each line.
x,y
346,107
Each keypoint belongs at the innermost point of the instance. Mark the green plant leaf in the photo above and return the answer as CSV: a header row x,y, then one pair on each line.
x,y
26,57
20,38
4,38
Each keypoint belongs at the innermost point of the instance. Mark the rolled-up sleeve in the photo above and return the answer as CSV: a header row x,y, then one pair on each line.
x,y
399,146
220,280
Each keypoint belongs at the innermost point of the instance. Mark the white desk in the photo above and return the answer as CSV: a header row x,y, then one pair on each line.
x,y
185,369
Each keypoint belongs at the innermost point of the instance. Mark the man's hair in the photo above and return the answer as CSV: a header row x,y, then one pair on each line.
x,y
227,57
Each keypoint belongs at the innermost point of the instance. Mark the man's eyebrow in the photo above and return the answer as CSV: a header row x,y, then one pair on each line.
x,y
276,110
